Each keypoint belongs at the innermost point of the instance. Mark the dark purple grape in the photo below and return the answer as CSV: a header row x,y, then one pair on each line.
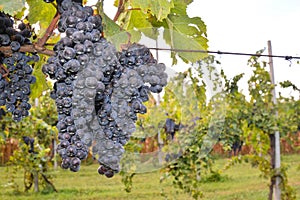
x,y
81,26
4,39
26,33
69,32
15,46
109,174
75,161
96,35
11,31
102,170
66,41
80,48
19,38
71,21
78,36
69,53
81,154
66,163
71,150
22,26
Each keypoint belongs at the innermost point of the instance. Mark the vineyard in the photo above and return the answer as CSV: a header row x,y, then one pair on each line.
x,y
82,94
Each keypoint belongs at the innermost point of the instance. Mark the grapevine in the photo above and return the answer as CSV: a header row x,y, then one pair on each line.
x,y
99,91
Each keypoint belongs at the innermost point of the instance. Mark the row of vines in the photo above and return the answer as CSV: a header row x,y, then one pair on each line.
x,y
224,118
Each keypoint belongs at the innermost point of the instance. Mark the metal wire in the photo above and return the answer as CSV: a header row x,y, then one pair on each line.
x,y
228,53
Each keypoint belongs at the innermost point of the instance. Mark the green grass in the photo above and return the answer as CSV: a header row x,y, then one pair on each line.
x,y
243,183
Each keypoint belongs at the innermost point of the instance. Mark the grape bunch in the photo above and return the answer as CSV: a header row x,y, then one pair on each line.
x,y
98,91
29,142
15,68
82,30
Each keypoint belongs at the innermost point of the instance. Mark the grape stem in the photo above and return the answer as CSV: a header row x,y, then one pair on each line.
x,y
130,9
41,42
119,11
4,71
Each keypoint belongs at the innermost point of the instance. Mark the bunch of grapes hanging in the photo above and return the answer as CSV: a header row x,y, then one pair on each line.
x,y
15,67
98,91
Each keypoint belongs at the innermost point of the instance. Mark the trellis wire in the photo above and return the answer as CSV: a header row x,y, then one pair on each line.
x,y
225,52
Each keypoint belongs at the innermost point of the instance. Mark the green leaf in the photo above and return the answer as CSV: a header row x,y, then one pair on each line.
x,y
41,84
20,14
120,39
12,7
113,32
40,12
180,6
182,32
116,3
137,23
159,8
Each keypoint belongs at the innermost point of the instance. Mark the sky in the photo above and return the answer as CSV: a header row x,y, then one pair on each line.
x,y
246,26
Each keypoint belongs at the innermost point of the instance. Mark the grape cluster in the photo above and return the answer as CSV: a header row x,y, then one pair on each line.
x,y
98,91
82,30
16,68
30,142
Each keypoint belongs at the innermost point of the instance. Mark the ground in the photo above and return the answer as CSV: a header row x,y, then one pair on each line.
x,y
242,183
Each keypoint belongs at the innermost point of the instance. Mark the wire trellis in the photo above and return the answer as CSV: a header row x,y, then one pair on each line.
x,y
224,52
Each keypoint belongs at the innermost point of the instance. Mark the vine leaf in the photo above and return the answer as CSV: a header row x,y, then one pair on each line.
x,y
182,32
116,3
41,83
180,6
40,12
136,23
159,8
12,7
148,17
113,32
20,14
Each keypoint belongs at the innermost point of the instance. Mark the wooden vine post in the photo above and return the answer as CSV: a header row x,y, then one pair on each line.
x,y
275,142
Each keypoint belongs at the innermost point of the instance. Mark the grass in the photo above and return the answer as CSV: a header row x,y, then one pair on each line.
x,y
243,183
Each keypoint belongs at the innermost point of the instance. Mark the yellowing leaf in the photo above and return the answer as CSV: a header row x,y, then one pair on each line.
x,y
116,3
42,12
41,84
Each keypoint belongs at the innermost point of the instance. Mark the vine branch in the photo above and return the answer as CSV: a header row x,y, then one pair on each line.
x,y
3,71
33,48
119,11
42,41
50,183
